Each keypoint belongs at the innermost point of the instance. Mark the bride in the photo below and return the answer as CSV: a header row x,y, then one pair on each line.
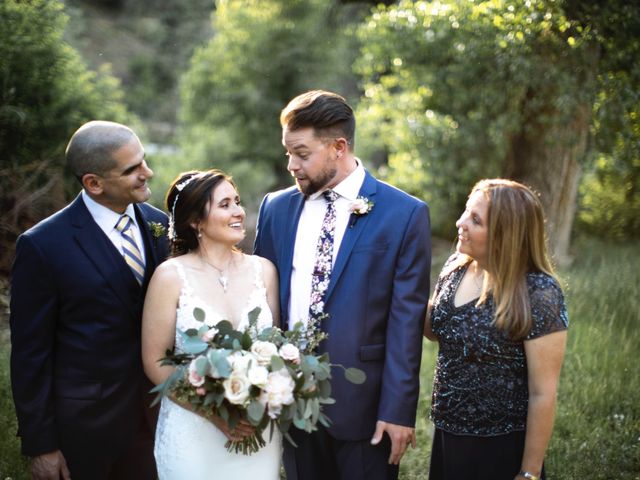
x,y
205,271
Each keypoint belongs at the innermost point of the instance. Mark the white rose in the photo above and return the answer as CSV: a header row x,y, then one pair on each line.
x,y
258,375
236,388
240,361
289,351
263,351
195,378
278,392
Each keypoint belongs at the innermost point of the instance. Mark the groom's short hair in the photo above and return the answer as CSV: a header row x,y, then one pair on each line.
x,y
327,113
91,147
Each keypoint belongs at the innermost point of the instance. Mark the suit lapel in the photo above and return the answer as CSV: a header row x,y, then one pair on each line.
x,y
352,234
287,245
102,253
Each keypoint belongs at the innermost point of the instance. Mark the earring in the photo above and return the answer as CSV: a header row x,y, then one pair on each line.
x,y
199,233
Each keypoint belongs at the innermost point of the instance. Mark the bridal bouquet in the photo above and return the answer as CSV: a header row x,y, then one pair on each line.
x,y
268,377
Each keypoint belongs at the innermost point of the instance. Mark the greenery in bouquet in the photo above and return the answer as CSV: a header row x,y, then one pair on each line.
x,y
267,377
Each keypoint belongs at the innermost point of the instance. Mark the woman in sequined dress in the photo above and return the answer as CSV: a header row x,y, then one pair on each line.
x,y
499,317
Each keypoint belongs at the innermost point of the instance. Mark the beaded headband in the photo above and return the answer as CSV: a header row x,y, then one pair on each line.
x,y
180,186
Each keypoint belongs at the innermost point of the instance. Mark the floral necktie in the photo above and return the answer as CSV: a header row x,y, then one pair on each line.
x,y
324,257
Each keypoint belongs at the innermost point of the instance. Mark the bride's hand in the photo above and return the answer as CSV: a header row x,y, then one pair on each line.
x,y
243,428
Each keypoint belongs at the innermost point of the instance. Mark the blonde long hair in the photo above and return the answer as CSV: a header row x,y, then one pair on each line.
x,y
516,244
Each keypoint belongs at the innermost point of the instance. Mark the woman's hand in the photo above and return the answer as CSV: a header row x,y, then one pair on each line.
x,y
242,429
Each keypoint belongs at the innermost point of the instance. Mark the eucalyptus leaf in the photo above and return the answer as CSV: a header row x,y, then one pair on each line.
x,y
324,420
324,388
255,411
289,439
253,315
190,332
209,399
355,375
224,327
223,412
276,363
202,366
194,345
300,423
199,314
308,411
327,401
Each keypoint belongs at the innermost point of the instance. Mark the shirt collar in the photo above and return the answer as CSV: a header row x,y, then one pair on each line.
x,y
105,217
350,186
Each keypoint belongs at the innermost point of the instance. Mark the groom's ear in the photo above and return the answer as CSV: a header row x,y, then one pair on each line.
x,y
341,146
92,183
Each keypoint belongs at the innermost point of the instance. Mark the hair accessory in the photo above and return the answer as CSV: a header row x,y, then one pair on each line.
x,y
179,186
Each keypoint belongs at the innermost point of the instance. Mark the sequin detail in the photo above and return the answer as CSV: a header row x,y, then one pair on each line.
x,y
480,384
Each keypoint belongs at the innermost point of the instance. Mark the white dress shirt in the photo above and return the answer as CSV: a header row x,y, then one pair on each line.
x,y
309,227
107,220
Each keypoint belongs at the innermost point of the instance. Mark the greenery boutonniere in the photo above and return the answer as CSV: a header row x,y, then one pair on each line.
x,y
359,207
157,230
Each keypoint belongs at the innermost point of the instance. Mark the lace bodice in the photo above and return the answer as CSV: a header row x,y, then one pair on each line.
x,y
189,301
189,446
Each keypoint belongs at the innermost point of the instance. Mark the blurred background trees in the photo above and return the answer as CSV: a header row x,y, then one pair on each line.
x,y
531,90
447,92
46,92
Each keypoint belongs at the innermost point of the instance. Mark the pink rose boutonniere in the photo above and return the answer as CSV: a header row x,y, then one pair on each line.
x,y
359,207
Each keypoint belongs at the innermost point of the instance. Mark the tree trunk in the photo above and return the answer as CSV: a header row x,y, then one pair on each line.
x,y
547,158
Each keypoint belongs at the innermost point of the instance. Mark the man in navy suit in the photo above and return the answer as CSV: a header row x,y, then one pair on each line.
x,y
77,292
375,301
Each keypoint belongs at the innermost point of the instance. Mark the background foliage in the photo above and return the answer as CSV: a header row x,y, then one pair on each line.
x,y
446,92
46,92
263,53
525,89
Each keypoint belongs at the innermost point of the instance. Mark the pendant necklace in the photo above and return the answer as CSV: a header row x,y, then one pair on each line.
x,y
223,279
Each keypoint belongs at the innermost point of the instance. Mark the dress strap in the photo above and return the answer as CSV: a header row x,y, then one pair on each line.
x,y
186,288
258,281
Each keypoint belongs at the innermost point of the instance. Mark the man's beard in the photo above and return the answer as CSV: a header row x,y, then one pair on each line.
x,y
316,184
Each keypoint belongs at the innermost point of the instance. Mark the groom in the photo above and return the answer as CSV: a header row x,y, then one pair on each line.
x,y
77,290
358,250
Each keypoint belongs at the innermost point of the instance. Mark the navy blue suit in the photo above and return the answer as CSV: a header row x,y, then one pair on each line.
x,y
376,302
76,367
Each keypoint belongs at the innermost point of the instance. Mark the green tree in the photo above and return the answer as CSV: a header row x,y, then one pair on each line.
x,y
262,54
477,89
46,93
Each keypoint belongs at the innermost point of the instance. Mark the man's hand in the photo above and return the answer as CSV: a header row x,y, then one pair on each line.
x,y
49,466
401,437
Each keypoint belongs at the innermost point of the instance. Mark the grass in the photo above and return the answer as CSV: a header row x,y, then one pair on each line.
x,y
597,432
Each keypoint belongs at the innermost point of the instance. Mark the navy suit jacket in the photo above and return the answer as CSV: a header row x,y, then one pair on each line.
x,y
376,301
75,319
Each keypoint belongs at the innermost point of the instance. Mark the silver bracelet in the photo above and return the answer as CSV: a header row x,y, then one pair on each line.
x,y
528,475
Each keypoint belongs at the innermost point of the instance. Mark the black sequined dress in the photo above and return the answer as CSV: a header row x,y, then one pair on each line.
x,y
480,385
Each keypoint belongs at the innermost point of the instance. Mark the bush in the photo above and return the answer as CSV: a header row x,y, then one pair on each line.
x,y
46,94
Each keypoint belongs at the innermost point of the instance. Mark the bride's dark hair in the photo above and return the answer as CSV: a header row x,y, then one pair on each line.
x,y
186,202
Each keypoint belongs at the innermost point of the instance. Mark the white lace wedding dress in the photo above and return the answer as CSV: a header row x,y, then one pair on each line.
x,y
188,447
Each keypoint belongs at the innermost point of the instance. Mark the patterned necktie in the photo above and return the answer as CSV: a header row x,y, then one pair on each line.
x,y
130,250
324,257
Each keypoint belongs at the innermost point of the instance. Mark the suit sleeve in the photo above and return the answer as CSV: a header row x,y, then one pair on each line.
x,y
34,312
260,246
401,376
